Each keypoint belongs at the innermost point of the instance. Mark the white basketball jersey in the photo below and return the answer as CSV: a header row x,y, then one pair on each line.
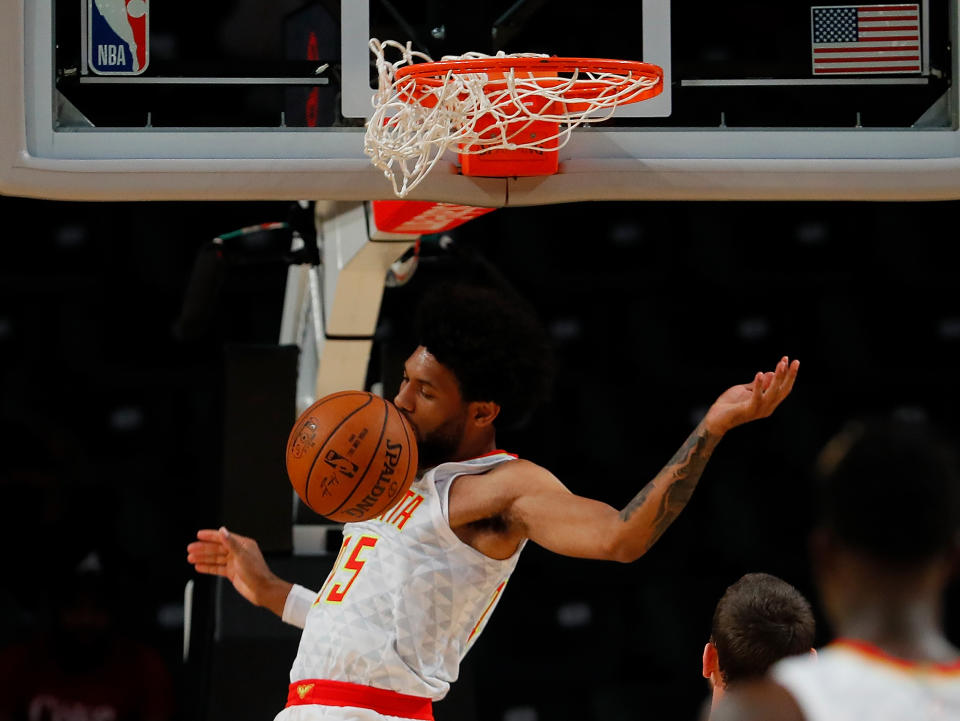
x,y
406,598
852,681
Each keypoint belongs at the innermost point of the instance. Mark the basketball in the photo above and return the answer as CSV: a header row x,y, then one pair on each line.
x,y
351,456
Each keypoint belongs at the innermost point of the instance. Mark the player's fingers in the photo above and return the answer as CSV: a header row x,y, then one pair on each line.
x,y
198,562
757,388
768,379
208,534
783,377
764,402
207,556
211,570
777,377
234,541
786,374
790,377
207,548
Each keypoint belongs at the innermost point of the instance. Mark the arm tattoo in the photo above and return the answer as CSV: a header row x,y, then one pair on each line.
x,y
677,479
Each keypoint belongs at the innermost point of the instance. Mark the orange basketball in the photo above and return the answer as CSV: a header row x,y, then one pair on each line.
x,y
351,456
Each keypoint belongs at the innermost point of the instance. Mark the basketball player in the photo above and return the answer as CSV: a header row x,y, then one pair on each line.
x,y
883,555
412,590
758,620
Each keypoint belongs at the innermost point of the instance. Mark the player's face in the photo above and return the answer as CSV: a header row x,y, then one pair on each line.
x,y
430,398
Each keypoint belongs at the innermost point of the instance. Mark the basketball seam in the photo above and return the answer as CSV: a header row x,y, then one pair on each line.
x,y
406,435
306,486
383,429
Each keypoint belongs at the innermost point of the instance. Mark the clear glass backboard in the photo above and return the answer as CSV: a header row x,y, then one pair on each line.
x,y
258,99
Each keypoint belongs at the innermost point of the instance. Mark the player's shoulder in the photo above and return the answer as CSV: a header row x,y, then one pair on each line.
x,y
516,465
523,471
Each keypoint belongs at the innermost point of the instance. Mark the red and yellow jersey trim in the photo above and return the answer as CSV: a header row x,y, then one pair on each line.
x,y
483,616
877,654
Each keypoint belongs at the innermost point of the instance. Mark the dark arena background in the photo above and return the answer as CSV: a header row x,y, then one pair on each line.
x,y
122,423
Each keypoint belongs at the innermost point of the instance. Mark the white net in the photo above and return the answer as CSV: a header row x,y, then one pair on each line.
x,y
415,123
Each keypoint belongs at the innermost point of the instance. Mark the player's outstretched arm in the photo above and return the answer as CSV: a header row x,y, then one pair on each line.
x,y
551,516
239,559
662,500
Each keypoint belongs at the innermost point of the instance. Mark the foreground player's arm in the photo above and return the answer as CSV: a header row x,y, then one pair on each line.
x,y
239,559
543,510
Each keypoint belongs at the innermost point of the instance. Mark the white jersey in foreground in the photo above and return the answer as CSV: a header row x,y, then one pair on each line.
x,y
853,681
405,600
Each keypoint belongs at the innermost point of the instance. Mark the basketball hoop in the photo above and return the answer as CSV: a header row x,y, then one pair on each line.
x,y
506,115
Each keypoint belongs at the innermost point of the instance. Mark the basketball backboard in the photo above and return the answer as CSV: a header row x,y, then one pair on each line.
x,y
265,100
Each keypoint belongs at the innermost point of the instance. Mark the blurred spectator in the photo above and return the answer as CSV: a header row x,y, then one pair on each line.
x,y
82,665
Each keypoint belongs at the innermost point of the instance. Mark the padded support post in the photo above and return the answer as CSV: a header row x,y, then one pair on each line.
x,y
354,272
331,313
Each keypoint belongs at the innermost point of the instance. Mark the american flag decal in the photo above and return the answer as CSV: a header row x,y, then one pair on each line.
x,y
857,39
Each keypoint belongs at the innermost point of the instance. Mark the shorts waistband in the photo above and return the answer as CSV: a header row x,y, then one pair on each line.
x,y
341,693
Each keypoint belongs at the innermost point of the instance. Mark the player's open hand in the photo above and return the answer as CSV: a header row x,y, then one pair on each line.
x,y
236,558
750,401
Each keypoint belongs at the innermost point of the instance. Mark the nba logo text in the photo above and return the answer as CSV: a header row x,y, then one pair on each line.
x,y
118,36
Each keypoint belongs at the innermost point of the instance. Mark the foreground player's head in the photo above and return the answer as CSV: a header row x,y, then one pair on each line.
x,y
889,511
482,358
759,620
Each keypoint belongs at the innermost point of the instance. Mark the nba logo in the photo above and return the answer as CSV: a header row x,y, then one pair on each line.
x,y
118,33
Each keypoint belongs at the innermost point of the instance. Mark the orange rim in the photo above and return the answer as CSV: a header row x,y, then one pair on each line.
x,y
433,74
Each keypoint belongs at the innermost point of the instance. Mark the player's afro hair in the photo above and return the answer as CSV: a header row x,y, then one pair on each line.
x,y
493,343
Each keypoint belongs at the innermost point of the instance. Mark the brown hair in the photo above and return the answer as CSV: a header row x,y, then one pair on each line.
x,y
759,620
